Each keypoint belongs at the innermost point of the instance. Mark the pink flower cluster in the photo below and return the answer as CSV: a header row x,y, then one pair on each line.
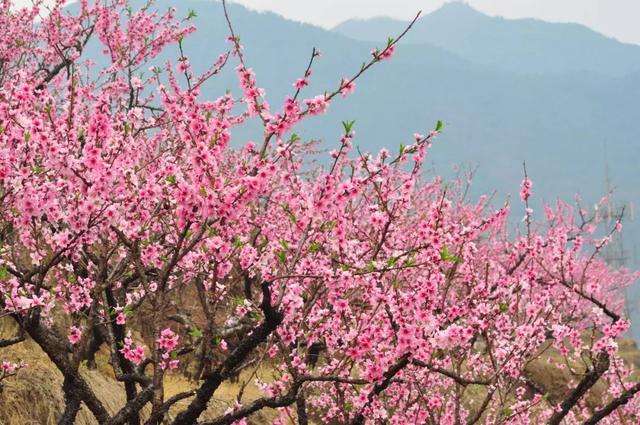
x,y
75,333
168,340
317,105
167,343
10,368
525,189
386,53
134,354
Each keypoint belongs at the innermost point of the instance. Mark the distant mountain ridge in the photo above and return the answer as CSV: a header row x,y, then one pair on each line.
x,y
522,45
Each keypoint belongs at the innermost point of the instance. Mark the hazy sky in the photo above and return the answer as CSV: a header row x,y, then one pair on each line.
x,y
616,18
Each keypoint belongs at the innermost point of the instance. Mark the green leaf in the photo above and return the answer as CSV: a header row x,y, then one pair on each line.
x,y
348,126
439,125
192,14
284,244
171,179
504,307
291,216
127,128
314,247
256,316
445,256
216,340
508,411
329,225
411,261
196,333
392,261
27,136
237,243
371,266
4,273
401,149
203,192
282,256
445,252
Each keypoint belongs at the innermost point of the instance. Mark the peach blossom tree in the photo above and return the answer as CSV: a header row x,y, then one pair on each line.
x,y
373,292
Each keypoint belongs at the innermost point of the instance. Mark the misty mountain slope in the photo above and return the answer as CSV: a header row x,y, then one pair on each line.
x,y
526,46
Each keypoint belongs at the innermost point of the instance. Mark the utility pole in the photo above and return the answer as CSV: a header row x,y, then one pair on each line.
x,y
614,253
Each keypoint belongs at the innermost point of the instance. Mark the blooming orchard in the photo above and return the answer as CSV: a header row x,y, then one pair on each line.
x,y
374,293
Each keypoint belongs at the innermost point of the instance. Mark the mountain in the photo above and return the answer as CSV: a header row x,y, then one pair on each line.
x,y
566,123
525,46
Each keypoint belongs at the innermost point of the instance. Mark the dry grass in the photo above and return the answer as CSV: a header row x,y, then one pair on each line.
x,y
34,396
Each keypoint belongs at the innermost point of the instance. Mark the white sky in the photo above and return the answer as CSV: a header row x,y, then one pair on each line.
x,y
616,18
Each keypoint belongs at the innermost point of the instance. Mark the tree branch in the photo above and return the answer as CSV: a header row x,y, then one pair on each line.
x,y
613,405
272,319
600,366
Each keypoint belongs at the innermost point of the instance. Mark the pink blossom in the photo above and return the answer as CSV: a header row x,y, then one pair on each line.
x,y
525,189
347,87
168,339
223,345
386,53
317,105
134,354
301,83
75,333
